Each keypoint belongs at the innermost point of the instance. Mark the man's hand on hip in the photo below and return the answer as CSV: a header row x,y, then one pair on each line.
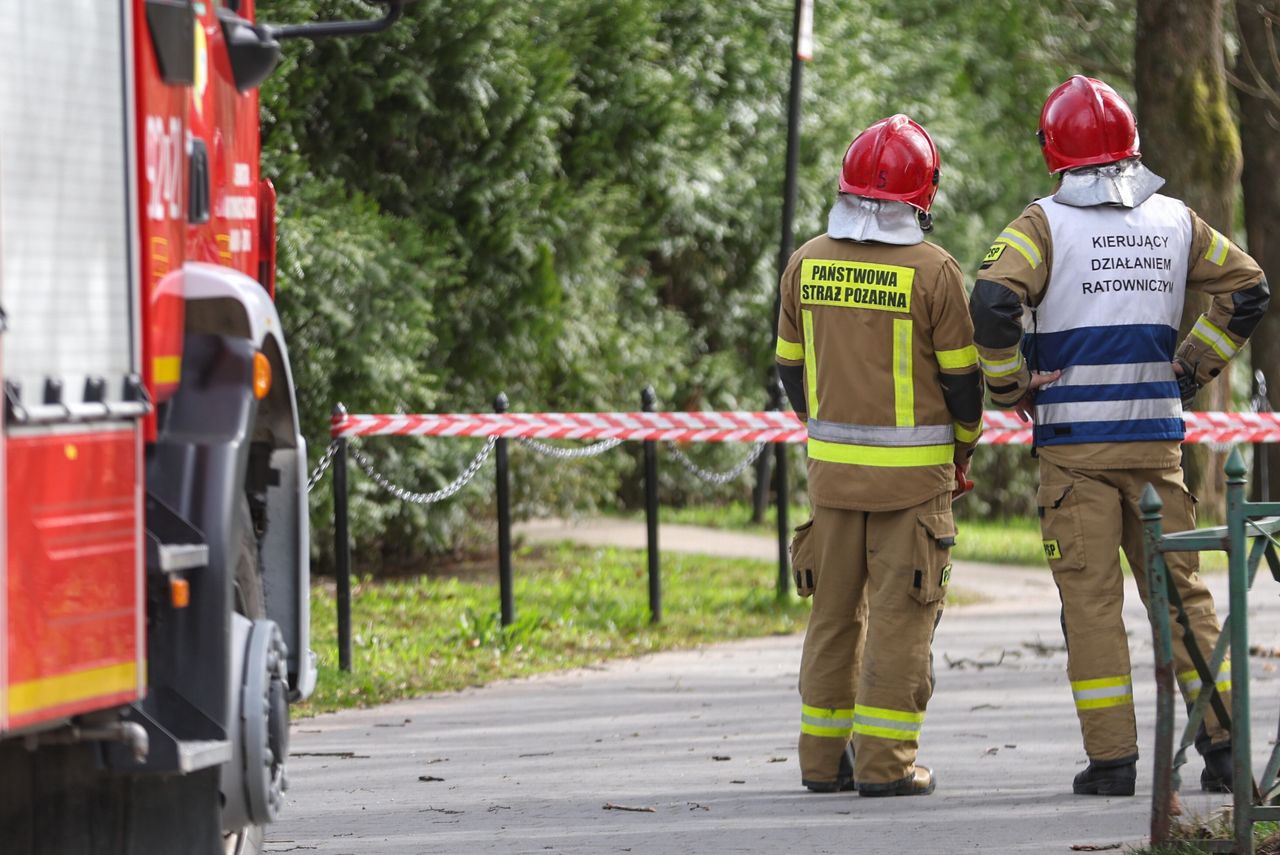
x,y
1026,407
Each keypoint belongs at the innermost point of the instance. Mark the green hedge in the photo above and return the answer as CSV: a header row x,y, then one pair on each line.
x,y
568,199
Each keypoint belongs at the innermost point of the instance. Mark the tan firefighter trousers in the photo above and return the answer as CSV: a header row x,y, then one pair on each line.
x,y
866,672
1086,517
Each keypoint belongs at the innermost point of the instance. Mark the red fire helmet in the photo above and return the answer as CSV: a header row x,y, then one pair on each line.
x,y
894,159
1085,123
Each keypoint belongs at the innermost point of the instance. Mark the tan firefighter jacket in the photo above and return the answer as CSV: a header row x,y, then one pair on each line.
x,y
1096,282
881,337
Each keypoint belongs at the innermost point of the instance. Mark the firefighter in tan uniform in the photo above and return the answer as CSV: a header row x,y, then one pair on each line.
x,y
875,350
1103,265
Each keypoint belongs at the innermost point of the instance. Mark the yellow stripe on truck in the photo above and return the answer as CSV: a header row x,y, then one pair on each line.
x,y
166,370
48,692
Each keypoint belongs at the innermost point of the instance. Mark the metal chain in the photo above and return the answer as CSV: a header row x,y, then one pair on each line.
x,y
716,477
323,466
425,498
556,451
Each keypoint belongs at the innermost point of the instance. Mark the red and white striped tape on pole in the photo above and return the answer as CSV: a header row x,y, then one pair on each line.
x,y
1000,427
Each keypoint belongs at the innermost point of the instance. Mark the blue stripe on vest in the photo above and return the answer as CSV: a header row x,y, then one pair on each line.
x,y
1107,392
1139,430
1103,346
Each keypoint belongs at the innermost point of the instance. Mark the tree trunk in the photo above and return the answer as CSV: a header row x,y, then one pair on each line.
x,y
1189,137
1259,123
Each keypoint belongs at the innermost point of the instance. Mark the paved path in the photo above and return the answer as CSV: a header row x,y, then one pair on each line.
x,y
706,738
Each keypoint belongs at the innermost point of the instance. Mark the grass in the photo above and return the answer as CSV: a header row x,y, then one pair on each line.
x,y
575,606
1183,833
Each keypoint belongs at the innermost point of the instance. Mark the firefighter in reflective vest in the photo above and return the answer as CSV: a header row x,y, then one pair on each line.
x,y
1103,265
875,351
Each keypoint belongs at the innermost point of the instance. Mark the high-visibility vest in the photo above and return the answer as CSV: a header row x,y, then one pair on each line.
x,y
1109,322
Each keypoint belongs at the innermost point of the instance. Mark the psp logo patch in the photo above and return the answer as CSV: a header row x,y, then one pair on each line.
x,y
992,255
1052,550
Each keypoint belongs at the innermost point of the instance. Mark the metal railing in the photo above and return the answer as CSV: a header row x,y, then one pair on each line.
x,y
341,448
1246,521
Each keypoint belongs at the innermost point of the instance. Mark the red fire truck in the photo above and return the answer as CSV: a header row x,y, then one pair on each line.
x,y
153,540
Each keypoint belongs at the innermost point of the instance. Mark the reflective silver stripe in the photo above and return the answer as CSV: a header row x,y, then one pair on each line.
x,y
880,435
864,720
1023,244
1216,339
1217,248
1101,375
1102,692
1002,367
1190,680
817,721
1109,411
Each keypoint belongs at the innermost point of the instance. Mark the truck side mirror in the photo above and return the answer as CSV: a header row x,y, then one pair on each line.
x,y
253,50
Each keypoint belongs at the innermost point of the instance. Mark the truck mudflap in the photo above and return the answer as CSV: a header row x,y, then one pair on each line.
x,y
225,301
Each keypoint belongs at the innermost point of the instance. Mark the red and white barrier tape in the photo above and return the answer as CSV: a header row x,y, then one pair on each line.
x,y
1000,427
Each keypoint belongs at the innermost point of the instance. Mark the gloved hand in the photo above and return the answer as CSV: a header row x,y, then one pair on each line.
x,y
1185,372
963,484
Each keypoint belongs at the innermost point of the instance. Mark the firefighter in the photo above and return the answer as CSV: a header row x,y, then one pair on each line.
x,y
1103,266
875,351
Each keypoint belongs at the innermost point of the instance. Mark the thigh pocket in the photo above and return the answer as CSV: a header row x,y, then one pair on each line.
x,y
1059,510
802,558
931,568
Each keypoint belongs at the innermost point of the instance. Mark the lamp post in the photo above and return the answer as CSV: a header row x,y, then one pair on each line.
x,y
801,52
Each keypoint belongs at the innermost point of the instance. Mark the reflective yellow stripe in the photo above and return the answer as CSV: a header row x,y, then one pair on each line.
x,y
817,721
962,358
1192,677
1214,337
964,434
1217,248
892,715
789,349
872,455
1100,683
166,370
63,689
1001,367
810,362
1191,683
886,732
1102,692
1194,693
904,394
1101,703
1023,244
887,724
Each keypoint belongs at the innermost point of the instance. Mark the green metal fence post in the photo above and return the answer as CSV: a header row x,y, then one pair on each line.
x,y
1242,767
1162,641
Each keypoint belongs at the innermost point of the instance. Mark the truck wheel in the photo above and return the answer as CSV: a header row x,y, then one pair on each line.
x,y
249,601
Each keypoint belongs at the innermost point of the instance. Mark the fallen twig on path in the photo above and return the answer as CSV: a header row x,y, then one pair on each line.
x,y
976,663
1039,648
1089,847
612,806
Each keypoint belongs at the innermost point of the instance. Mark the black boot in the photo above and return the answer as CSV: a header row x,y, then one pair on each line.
x,y
1107,778
1218,770
844,776
920,782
